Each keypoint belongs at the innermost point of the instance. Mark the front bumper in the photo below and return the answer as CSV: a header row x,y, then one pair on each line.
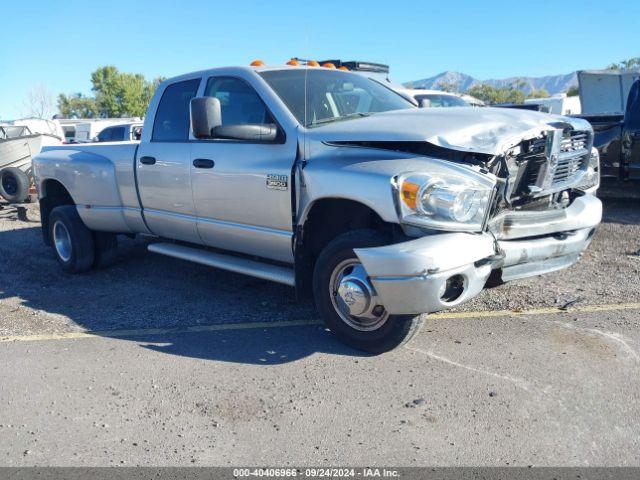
x,y
416,276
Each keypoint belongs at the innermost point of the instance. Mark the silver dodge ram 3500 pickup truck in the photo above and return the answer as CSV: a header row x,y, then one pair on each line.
x,y
330,182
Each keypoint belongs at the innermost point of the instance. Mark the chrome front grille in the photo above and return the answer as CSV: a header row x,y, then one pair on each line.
x,y
573,157
575,141
567,168
552,162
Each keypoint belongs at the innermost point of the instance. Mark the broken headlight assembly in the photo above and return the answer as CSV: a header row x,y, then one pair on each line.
x,y
445,200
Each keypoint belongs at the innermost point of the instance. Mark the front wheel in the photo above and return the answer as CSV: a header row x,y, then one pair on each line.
x,y
348,302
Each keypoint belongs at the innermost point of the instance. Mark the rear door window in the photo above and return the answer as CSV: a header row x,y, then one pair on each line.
x,y
172,123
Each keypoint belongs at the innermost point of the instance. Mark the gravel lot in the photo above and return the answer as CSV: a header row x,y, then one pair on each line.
x,y
538,389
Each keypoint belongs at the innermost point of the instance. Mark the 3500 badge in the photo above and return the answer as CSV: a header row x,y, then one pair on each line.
x,y
277,182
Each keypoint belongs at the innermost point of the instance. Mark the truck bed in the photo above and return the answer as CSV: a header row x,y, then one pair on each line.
x,y
98,176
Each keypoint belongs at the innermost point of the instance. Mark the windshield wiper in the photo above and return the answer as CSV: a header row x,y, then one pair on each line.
x,y
342,117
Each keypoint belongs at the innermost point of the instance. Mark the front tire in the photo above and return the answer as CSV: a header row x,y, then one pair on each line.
x,y
72,241
347,301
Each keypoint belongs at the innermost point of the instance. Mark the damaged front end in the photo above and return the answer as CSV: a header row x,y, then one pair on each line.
x,y
546,171
541,215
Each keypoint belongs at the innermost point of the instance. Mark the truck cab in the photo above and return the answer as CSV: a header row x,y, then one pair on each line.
x,y
334,184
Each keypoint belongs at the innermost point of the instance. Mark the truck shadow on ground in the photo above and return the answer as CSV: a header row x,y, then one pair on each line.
x,y
144,291
271,346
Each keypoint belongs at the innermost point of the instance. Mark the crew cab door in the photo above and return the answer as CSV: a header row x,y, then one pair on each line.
x,y
163,166
242,189
631,133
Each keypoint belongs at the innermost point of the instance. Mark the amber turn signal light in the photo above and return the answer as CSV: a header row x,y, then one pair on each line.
x,y
409,194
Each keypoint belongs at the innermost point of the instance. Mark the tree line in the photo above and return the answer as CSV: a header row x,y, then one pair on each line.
x,y
115,94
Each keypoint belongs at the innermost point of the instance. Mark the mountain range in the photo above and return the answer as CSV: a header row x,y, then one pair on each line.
x,y
551,83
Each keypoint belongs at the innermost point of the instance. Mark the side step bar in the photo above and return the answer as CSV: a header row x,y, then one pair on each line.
x,y
245,266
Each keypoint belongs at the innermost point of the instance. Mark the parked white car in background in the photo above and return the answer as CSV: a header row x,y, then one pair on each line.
x,y
436,98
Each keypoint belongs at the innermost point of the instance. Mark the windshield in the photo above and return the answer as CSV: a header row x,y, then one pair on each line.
x,y
331,95
436,100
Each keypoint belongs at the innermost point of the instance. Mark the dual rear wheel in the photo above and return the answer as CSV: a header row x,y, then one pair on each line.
x,y
77,248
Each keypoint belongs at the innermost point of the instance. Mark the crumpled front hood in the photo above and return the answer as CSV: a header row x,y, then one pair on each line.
x,y
480,130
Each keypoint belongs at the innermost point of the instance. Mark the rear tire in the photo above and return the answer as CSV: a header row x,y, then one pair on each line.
x,y
71,240
14,185
372,333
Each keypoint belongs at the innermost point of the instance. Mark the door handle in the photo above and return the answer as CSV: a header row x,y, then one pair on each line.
x,y
203,163
148,160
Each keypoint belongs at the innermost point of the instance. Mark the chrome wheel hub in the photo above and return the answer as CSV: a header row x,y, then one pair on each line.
x,y
354,298
62,241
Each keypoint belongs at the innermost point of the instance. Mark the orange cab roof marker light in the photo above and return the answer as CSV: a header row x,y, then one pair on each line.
x,y
257,63
312,63
293,62
328,65
343,68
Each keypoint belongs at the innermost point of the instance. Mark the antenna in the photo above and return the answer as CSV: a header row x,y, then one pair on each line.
x,y
306,72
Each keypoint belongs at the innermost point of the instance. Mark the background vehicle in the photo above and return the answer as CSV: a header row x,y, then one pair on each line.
x,y
330,182
69,127
559,104
88,131
18,144
380,73
617,135
605,91
42,126
124,132
435,98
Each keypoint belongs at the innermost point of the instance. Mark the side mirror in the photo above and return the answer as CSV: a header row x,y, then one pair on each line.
x,y
262,132
425,103
205,116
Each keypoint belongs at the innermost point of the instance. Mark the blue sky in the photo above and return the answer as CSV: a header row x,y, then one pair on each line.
x,y
58,44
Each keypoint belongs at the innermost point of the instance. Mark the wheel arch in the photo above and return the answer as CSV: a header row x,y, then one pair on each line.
x,y
322,221
52,194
